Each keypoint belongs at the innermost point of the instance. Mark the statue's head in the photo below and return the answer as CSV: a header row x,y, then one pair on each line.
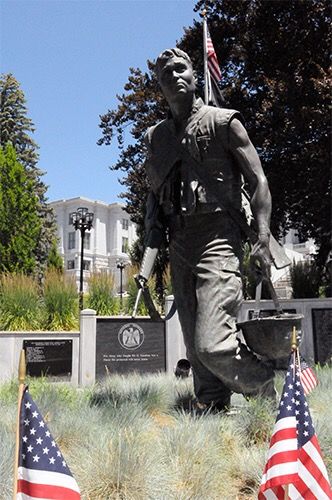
x,y
168,54
175,74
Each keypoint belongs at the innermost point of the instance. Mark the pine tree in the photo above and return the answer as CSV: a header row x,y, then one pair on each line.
x,y
20,223
16,127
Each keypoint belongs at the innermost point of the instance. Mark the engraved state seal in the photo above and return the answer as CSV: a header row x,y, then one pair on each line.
x,y
131,336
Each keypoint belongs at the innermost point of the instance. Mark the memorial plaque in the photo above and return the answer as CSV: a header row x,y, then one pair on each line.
x,y
322,333
48,357
127,345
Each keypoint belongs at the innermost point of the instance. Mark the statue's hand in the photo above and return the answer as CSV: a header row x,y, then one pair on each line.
x,y
260,258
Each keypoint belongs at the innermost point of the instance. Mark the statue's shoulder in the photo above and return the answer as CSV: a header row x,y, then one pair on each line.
x,y
156,133
223,116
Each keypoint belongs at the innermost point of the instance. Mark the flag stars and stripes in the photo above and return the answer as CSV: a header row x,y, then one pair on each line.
x,y
294,459
42,470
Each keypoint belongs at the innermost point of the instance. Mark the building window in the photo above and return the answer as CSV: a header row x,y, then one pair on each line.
x,y
125,224
124,245
70,264
86,265
71,240
87,240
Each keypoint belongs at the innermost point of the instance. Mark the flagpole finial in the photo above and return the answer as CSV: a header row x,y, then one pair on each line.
x,y
203,13
294,339
22,367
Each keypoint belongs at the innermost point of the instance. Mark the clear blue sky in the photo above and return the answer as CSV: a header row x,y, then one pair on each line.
x,y
71,58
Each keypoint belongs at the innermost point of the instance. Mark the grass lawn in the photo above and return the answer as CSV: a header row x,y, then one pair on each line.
x,y
127,438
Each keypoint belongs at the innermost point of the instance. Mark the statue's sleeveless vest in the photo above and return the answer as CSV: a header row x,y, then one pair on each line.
x,y
203,150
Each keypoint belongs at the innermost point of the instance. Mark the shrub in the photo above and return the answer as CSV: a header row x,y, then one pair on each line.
x,y
20,306
60,301
305,280
101,294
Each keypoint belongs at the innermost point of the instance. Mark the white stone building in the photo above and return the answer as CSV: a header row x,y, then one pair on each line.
x,y
105,245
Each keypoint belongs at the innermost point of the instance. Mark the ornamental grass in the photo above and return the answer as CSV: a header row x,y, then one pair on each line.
x,y
60,302
126,438
101,296
20,303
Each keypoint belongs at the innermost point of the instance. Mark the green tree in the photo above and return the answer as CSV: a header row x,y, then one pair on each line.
x,y
275,64
16,127
54,260
19,220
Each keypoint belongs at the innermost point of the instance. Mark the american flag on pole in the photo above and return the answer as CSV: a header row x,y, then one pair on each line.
x,y
308,377
42,470
295,466
212,60
214,74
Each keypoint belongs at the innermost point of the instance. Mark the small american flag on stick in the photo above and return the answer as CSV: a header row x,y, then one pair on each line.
x,y
42,470
308,377
295,468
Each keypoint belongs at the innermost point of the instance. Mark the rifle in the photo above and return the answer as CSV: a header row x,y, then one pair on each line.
x,y
150,254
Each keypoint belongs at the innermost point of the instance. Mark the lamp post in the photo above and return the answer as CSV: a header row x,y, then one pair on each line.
x,y
82,219
121,265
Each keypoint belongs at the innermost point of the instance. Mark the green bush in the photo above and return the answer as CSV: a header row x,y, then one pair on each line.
x,y
101,294
20,305
305,280
60,302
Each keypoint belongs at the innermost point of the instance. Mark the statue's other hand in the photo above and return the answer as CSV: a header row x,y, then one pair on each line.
x,y
260,259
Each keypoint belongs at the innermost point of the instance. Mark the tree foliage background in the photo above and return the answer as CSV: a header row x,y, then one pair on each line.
x,y
19,221
16,129
275,64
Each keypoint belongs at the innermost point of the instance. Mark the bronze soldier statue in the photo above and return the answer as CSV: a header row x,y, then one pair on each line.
x,y
197,159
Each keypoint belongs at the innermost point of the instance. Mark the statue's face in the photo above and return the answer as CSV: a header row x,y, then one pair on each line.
x,y
177,78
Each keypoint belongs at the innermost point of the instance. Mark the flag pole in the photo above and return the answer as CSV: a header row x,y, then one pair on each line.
x,y
21,381
206,72
294,354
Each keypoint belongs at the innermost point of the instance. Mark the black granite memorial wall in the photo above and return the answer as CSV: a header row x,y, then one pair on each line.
x,y
48,357
322,334
126,345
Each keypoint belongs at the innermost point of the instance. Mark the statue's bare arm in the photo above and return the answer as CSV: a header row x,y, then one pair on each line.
x,y
251,168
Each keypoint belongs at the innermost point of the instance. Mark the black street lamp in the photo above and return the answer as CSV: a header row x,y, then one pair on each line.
x,y
121,265
82,219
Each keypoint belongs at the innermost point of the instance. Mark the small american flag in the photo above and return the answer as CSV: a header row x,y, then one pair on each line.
x,y
294,459
42,472
308,378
